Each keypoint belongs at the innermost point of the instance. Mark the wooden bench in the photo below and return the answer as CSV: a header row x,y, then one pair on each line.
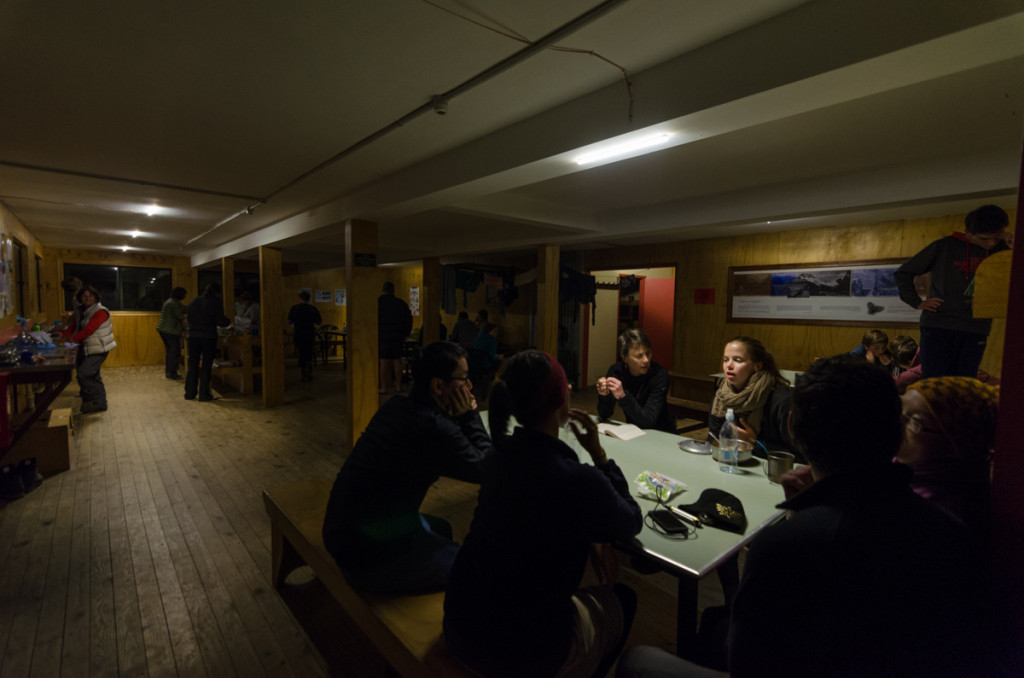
x,y
690,398
405,630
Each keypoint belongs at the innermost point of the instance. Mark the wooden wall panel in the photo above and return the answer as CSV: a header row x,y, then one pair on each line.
x,y
702,330
138,342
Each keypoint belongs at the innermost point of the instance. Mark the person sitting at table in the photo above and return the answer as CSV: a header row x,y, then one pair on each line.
x,y
759,395
373,526
638,384
950,429
907,353
91,329
866,578
304,318
874,348
512,607
250,313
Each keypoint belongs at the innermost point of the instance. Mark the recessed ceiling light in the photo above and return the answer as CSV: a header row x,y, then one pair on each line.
x,y
150,211
136,233
624,148
124,248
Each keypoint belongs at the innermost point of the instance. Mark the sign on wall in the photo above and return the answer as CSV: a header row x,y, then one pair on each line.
x,y
853,293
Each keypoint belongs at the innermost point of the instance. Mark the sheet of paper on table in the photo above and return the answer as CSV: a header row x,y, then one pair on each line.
x,y
620,431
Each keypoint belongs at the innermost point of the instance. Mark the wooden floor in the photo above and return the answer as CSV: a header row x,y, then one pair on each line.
x,y
151,556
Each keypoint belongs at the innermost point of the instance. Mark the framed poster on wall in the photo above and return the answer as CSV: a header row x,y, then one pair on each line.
x,y
846,293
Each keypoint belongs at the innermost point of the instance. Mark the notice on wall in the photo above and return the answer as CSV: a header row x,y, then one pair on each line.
x,y
323,296
858,293
414,300
339,297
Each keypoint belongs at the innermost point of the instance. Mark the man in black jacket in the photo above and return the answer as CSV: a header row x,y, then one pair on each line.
x,y
394,323
373,526
205,315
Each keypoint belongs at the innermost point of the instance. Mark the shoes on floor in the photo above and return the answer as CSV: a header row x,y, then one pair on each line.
x,y
206,399
88,407
30,476
174,376
189,397
11,485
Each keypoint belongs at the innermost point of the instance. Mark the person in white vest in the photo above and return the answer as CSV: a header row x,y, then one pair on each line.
x,y
90,328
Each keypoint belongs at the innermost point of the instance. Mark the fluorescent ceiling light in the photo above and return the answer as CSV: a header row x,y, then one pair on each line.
x,y
623,148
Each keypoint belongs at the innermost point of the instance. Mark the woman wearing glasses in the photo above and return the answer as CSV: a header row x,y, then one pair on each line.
x,y
949,432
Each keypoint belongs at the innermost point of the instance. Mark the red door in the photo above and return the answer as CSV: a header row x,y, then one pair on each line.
x,y
657,305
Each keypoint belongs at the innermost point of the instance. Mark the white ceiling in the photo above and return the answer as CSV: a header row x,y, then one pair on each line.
x,y
799,113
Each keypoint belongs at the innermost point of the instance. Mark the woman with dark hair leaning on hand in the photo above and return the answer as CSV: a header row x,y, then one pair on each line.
x,y
512,607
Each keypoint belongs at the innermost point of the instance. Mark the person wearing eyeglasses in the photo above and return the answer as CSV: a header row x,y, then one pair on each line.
x,y
949,432
373,526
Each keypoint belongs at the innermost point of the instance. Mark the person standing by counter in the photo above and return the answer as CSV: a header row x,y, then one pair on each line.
x,y
170,326
304,318
205,315
91,329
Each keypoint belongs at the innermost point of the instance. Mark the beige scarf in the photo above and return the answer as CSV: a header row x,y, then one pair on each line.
x,y
748,403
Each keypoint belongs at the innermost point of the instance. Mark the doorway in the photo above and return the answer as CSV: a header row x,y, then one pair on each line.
x,y
641,297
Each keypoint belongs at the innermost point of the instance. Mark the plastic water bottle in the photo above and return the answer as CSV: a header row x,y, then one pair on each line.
x,y
728,442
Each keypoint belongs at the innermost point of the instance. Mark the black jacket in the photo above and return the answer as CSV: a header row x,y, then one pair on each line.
x,y
509,599
644,402
408,444
205,315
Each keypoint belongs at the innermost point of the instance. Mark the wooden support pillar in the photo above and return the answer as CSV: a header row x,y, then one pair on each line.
x,y
272,317
430,301
363,287
547,298
227,283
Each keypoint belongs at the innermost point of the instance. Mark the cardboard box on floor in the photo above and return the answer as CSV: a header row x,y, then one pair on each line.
x,y
49,441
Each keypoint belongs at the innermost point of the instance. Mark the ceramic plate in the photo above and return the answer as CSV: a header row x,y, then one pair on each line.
x,y
695,446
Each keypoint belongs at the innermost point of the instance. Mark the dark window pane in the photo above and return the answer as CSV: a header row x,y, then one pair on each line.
x,y
123,288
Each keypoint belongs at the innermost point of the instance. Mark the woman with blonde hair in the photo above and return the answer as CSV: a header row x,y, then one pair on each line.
x,y
758,394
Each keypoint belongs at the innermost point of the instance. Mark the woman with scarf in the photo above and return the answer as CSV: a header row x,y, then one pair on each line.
x,y
512,607
757,393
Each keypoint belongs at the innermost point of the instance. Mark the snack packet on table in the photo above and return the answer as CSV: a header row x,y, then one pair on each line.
x,y
658,486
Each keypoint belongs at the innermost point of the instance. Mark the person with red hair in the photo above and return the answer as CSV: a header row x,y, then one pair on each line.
x,y
512,607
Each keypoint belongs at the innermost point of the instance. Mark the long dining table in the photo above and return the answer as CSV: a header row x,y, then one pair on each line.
x,y
692,559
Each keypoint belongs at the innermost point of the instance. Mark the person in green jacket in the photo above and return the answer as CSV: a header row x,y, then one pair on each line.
x,y
170,326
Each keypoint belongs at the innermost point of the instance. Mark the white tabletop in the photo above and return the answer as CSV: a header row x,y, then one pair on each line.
x,y
659,452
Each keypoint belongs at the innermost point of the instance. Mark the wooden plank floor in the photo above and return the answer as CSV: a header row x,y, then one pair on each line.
x,y
151,555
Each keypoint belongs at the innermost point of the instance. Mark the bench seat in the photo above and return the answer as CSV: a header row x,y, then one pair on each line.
x,y
405,630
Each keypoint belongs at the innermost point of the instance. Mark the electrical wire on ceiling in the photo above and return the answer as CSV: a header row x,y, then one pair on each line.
x,y
518,37
439,102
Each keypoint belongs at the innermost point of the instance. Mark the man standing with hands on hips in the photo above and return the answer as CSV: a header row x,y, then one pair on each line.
x,y
952,339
